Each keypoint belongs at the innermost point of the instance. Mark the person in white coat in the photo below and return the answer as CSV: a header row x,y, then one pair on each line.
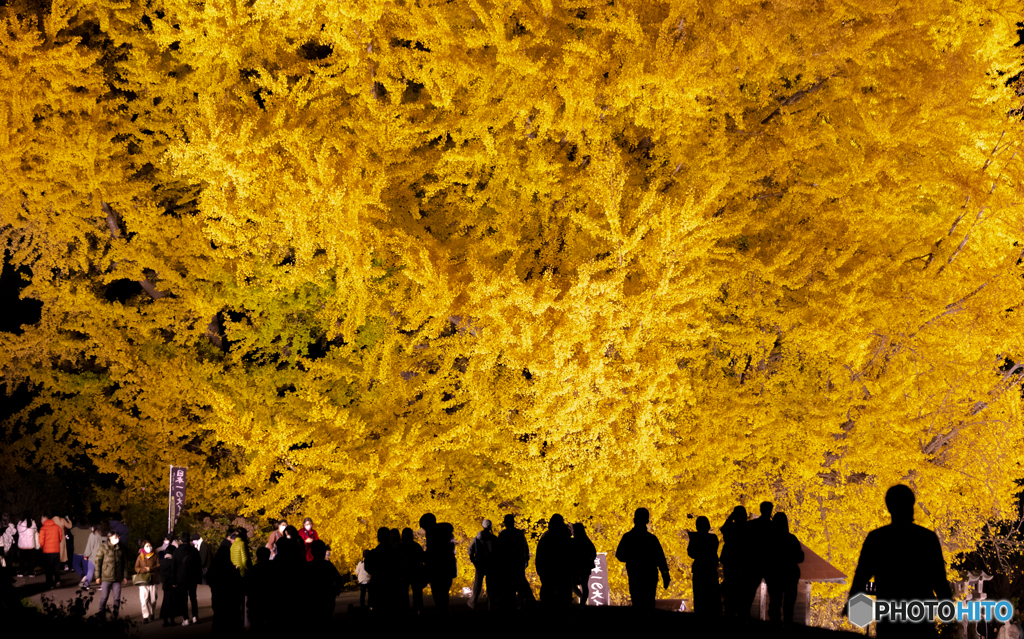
x,y
8,531
28,544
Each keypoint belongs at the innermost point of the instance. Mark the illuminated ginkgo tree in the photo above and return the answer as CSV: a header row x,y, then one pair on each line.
x,y
363,260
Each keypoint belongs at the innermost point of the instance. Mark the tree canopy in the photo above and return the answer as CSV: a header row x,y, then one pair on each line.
x,y
364,260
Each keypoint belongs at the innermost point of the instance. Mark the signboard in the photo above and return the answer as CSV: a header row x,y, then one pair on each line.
x,y
176,497
598,584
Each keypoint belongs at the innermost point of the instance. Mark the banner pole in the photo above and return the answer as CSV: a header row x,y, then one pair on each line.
x,y
170,499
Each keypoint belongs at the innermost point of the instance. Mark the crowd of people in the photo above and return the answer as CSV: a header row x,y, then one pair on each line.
x,y
292,575
565,557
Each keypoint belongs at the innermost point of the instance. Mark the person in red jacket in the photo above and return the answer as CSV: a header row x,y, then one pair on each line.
x,y
308,535
50,536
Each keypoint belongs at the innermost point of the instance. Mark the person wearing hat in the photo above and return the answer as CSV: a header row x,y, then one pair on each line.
x,y
481,553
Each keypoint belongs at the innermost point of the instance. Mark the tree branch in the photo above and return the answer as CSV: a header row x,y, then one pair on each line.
x,y
114,224
796,97
213,328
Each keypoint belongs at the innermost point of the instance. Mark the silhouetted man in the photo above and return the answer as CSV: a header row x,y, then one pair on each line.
x,y
703,549
259,588
322,584
412,558
583,555
383,564
225,581
783,571
439,560
641,551
513,558
188,572
205,552
554,564
736,563
482,555
759,539
906,562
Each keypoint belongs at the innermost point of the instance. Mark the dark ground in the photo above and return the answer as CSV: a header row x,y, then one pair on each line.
x,y
350,621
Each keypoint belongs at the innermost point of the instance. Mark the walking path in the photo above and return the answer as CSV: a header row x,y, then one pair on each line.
x,y
590,621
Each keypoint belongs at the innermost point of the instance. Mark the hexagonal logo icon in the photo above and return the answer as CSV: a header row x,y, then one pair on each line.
x,y
861,610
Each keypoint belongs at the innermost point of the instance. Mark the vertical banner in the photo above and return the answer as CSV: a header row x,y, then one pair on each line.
x,y
176,496
598,584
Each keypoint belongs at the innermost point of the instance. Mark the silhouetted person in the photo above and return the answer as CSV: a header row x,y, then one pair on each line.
x,y
554,564
482,554
290,547
401,593
383,565
288,564
188,572
703,549
641,551
736,557
583,555
759,539
205,552
783,572
225,584
906,562
321,585
259,584
167,608
439,560
412,559
512,586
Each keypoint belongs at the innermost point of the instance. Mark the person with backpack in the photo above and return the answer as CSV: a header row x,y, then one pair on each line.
x,y
482,555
